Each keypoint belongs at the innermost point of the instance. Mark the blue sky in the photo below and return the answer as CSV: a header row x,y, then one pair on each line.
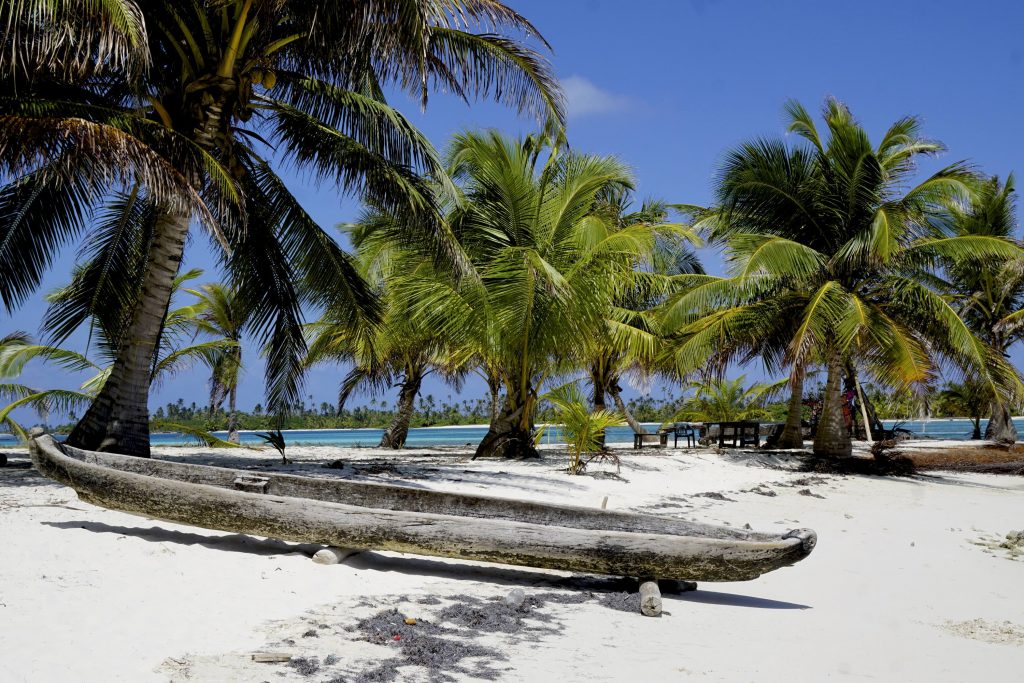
x,y
670,85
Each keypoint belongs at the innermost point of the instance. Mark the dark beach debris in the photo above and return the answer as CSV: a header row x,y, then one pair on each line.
x,y
807,481
429,600
306,666
443,646
808,492
714,495
763,490
880,465
622,602
311,633
424,644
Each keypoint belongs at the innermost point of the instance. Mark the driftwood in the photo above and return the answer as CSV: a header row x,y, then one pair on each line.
x,y
650,598
271,657
332,555
366,516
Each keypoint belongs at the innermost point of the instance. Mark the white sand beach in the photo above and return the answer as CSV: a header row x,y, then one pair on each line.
x,y
907,583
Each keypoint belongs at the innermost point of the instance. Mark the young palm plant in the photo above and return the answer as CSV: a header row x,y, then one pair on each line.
x,y
582,428
180,106
828,259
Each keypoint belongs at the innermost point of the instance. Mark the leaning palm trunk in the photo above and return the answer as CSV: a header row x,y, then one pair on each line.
x,y
398,431
792,434
616,392
508,437
597,379
494,387
233,436
118,419
1000,427
832,439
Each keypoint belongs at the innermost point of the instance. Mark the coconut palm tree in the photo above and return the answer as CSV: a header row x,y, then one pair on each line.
x,y
218,314
728,400
631,342
401,350
823,234
177,106
545,268
970,399
178,353
989,292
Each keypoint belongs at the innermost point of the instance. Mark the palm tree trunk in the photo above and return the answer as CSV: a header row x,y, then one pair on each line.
x,y
616,392
398,431
832,440
494,387
976,434
863,408
507,436
1000,427
118,419
233,436
792,434
598,381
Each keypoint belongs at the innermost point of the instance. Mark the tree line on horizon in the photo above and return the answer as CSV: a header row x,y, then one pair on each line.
x,y
522,261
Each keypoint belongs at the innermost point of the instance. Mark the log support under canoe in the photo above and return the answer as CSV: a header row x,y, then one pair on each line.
x,y
650,598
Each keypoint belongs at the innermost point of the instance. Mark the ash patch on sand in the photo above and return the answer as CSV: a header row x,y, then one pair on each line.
x,y
999,633
448,646
435,639
622,602
424,644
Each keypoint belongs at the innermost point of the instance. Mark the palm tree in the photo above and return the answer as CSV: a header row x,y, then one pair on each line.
x,y
177,355
728,400
822,234
544,269
970,399
631,341
219,315
989,292
188,140
401,349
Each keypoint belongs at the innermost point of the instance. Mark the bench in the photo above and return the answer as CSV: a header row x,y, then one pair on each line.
x,y
659,440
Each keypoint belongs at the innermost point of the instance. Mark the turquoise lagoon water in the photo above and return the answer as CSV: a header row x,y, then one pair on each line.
x,y
418,438
958,429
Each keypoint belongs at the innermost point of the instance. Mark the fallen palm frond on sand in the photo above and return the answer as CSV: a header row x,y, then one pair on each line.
x,y
981,458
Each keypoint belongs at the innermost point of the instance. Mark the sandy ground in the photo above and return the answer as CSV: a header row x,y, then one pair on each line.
x,y
908,583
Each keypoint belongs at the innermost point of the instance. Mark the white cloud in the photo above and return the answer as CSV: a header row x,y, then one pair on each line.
x,y
585,99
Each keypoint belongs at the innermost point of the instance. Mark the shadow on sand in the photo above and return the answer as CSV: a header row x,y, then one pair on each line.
x,y
236,543
427,567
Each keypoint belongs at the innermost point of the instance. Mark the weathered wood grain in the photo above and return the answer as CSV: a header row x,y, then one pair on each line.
x,y
650,598
366,516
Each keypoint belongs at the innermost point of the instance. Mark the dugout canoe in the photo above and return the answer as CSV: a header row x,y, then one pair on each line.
x,y
375,516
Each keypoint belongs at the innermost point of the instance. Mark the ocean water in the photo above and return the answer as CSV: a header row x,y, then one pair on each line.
x,y
955,429
420,437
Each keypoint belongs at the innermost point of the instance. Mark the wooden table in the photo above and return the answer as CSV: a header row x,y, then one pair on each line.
x,y
741,433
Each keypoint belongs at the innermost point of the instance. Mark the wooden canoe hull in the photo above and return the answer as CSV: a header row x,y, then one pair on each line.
x,y
401,519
